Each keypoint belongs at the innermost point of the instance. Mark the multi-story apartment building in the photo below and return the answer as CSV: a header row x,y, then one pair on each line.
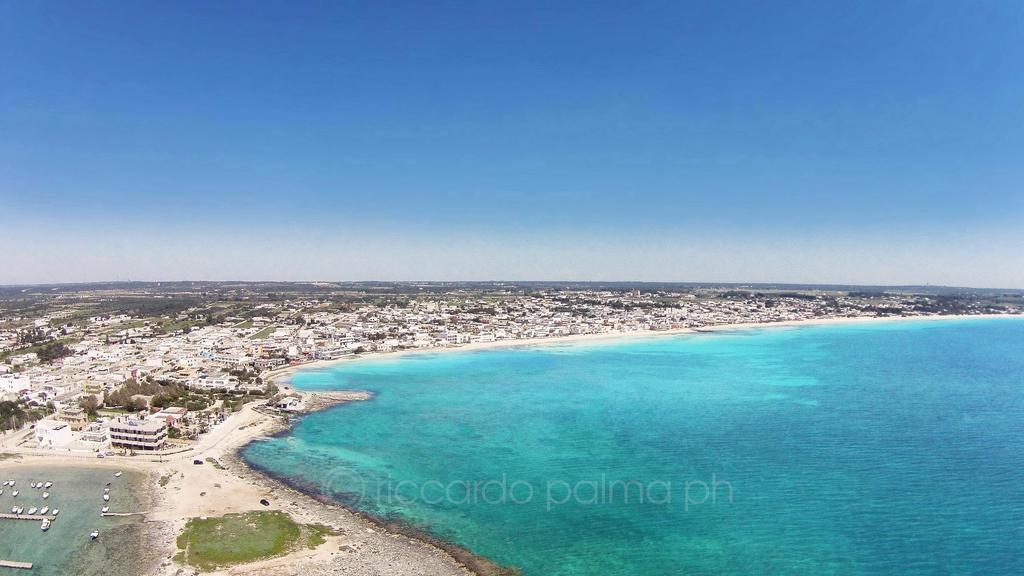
x,y
138,434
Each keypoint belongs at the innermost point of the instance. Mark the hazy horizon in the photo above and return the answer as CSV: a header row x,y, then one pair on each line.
x,y
487,281
804,142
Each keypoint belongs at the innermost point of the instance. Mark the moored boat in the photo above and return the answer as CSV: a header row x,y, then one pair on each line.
x,y
104,510
47,485
32,511
45,525
56,511
44,510
106,497
46,495
94,534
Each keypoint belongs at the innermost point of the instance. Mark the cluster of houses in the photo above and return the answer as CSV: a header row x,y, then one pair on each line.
x,y
70,429
111,350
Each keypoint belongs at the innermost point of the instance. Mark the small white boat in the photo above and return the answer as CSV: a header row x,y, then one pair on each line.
x,y
5,482
15,493
94,534
47,485
20,510
14,509
106,497
105,509
117,474
12,482
32,484
44,510
106,490
32,511
1,491
56,511
45,525
46,495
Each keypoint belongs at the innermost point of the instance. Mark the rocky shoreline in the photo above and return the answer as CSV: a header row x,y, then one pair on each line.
x,y
362,544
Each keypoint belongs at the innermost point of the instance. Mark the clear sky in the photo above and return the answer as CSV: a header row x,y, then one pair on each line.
x,y
846,142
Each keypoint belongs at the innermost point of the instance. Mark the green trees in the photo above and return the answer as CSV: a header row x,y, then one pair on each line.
x,y
14,415
53,351
89,403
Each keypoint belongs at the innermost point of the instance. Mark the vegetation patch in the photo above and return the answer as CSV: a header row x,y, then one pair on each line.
x,y
14,415
265,333
316,534
239,539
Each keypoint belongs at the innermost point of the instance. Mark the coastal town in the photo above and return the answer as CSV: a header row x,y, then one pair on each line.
x,y
138,380
169,382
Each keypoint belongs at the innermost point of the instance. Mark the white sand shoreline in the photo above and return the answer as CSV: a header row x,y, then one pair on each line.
x,y
363,546
281,376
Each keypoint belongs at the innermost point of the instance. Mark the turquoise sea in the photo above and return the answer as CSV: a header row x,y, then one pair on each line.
x,y
881,448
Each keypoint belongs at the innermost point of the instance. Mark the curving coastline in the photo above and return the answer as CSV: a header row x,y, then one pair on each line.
x,y
465,558
281,376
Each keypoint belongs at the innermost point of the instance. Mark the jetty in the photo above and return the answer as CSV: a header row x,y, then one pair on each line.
x,y
36,517
13,564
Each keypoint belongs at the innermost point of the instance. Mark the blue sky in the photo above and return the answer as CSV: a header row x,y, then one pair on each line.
x,y
873,142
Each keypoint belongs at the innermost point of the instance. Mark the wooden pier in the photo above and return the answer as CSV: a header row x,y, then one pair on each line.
x,y
13,564
36,517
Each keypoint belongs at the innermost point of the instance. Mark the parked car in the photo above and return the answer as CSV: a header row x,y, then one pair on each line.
x,y
197,462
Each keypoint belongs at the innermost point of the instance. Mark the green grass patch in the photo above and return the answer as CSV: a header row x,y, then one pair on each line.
x,y
316,534
175,325
215,463
238,539
265,333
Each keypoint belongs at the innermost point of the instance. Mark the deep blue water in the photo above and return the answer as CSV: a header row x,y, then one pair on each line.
x,y
882,448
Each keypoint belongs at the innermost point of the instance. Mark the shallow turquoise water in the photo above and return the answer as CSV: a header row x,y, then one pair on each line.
x,y
888,448
66,548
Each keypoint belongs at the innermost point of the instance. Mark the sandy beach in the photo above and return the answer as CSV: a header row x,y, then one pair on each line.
x,y
280,376
183,490
224,484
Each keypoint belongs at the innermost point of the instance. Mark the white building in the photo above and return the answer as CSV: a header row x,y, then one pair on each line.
x,y
52,434
138,434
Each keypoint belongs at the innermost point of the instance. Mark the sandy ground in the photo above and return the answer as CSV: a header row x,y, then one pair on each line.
x,y
362,547
192,490
281,375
